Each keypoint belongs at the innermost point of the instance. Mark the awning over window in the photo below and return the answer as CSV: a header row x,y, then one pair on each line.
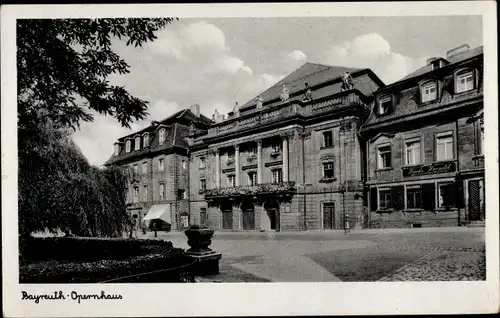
x,y
159,211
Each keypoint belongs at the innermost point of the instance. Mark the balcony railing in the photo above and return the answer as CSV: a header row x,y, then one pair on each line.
x,y
258,189
287,110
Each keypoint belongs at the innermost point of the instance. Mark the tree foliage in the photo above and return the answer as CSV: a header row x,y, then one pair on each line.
x,y
60,61
63,67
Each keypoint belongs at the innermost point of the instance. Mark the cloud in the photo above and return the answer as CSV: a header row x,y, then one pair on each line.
x,y
297,55
374,52
195,38
229,65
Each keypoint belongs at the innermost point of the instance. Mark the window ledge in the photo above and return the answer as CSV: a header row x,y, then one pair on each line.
x,y
322,148
413,166
383,169
202,168
328,180
478,157
413,210
451,209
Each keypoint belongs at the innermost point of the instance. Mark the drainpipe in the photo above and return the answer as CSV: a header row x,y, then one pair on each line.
x,y
188,170
304,179
458,168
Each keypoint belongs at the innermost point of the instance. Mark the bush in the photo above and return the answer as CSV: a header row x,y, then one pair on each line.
x,y
87,249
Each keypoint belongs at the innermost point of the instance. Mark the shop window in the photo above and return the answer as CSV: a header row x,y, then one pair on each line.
x,y
446,195
414,197
384,200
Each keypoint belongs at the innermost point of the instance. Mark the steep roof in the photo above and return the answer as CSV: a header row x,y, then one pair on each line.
x,y
452,59
312,73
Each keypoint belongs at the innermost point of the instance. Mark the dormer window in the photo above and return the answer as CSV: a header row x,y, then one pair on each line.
x,y
428,92
162,136
384,105
127,146
464,81
137,144
117,149
145,140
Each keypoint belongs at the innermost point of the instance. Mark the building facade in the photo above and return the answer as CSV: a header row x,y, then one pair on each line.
x,y
156,160
323,147
424,145
288,160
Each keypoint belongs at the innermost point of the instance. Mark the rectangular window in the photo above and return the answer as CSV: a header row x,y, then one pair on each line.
x,y
465,82
327,139
444,146
277,176
252,178
429,92
384,105
162,192
384,200
445,195
137,143
231,180
412,151
384,157
184,164
127,146
144,167
328,170
203,184
146,140
145,194
161,165
117,149
203,163
136,194
162,136
414,197
136,170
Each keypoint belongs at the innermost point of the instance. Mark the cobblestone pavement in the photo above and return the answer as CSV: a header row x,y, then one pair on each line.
x,y
443,254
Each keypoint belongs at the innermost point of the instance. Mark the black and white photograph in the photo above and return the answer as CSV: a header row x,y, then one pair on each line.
x,y
218,147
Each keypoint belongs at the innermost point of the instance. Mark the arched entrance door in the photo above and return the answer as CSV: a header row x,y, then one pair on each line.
x,y
271,217
248,214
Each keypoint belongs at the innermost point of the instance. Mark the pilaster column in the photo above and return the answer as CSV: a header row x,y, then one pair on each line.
x,y
217,168
285,158
237,164
259,161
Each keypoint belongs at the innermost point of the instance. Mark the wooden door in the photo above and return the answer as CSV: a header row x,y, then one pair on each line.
x,y
474,200
227,220
329,216
249,220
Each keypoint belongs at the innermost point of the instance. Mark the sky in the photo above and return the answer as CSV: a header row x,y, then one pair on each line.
x,y
216,62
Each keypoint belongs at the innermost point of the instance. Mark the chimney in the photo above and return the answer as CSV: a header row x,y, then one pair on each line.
x,y
459,49
195,109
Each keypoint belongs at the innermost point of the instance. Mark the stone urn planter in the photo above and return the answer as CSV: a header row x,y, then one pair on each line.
x,y
199,239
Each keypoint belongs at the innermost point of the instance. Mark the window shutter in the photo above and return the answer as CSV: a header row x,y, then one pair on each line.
x,y
477,78
397,197
428,196
373,199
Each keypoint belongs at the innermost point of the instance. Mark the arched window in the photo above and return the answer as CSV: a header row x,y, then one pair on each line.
x,y
127,146
145,141
117,149
137,143
162,136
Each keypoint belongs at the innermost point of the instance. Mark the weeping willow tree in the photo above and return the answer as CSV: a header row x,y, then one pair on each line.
x,y
59,189
63,66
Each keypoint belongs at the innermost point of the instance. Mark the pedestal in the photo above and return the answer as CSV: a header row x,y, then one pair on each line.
x,y
206,264
207,260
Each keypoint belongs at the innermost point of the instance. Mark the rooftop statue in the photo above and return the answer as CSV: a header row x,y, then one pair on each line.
x,y
307,94
236,109
216,116
284,94
259,102
347,81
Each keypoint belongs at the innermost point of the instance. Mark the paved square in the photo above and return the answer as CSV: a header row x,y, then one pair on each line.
x,y
367,255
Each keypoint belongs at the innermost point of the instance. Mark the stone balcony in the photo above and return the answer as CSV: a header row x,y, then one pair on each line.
x,y
283,188
288,110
